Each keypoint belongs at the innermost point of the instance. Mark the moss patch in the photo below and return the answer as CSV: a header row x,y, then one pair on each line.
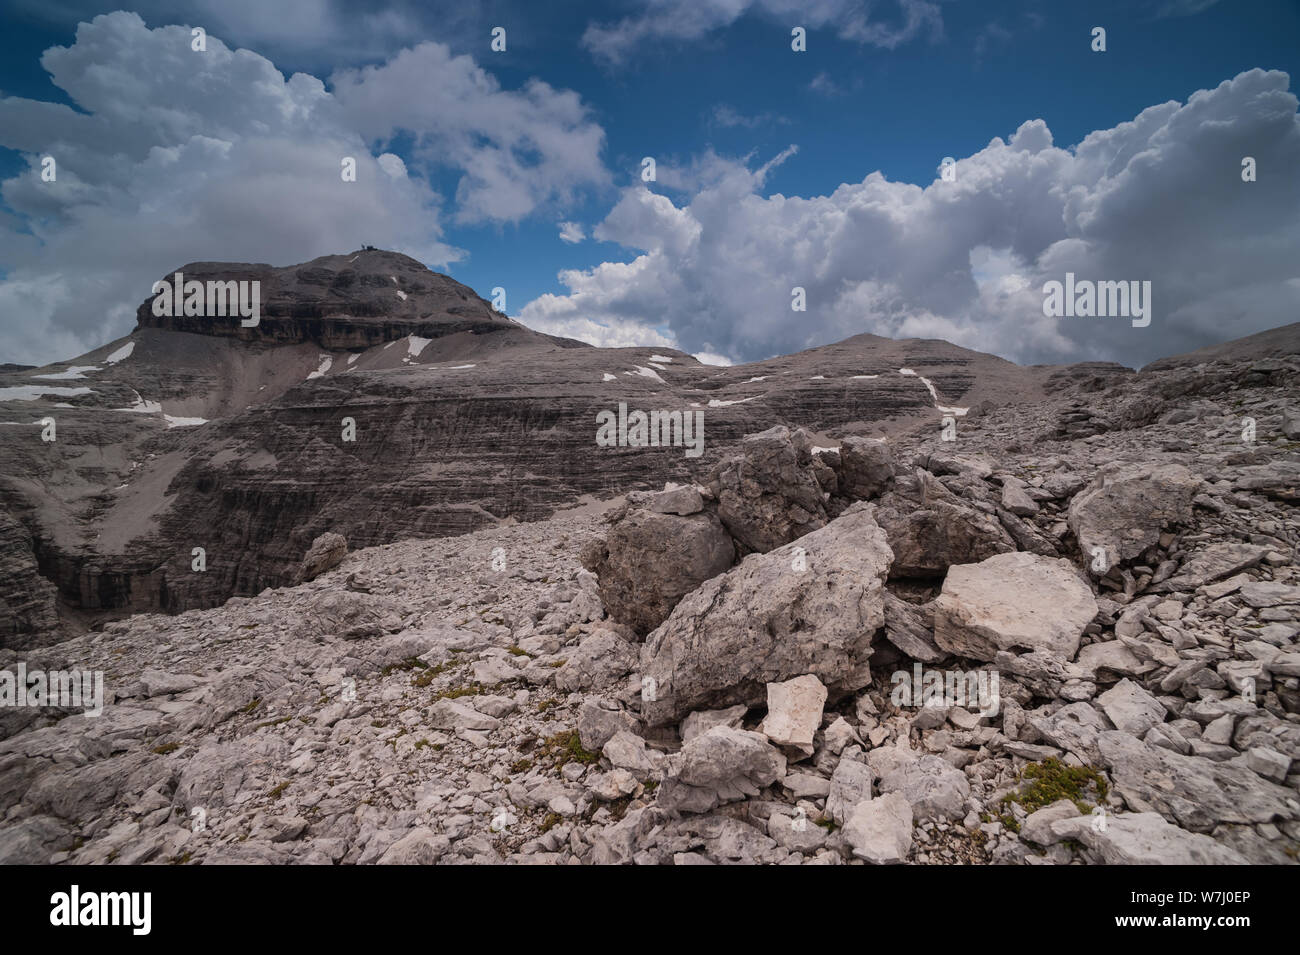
x,y
566,747
1044,783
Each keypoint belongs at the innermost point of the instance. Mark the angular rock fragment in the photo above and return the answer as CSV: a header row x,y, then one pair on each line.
x,y
1013,602
767,492
764,622
650,560
722,765
794,712
880,830
326,552
1124,511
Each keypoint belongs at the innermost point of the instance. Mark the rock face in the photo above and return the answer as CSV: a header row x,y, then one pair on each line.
x,y
1013,602
650,560
380,401
1123,512
764,622
767,492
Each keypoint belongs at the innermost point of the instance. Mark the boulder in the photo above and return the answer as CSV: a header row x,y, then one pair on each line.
x,y
603,658
1124,511
933,787
722,765
1014,602
1131,708
650,560
850,785
326,552
866,467
880,830
767,492
764,622
929,528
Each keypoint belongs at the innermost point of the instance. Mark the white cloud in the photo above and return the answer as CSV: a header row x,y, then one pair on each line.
x,y
728,116
176,156
824,84
572,232
517,149
687,20
1159,198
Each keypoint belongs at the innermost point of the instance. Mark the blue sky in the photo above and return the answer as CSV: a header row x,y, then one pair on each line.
x,y
888,87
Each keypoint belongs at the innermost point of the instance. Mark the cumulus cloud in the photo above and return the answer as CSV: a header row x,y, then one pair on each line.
x,y
518,149
687,20
314,33
1159,198
174,155
572,232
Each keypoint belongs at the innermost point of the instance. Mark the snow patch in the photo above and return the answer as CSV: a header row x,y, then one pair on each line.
x,y
647,373
123,352
401,295
176,422
663,358
325,362
817,378
609,377
141,406
719,403
353,357
934,395
415,344
32,392
864,377
758,378
76,371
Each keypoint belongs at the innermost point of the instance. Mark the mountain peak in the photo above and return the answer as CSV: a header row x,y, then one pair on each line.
x,y
351,301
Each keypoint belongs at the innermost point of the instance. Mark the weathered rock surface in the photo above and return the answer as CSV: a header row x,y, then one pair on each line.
x,y
1196,794
326,552
1145,838
1012,602
719,766
880,830
764,622
1123,512
767,492
650,560
929,529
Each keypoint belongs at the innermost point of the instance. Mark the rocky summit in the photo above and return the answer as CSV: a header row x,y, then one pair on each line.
x,y
363,582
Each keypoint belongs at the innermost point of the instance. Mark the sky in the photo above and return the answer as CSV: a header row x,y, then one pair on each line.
x,y
775,168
